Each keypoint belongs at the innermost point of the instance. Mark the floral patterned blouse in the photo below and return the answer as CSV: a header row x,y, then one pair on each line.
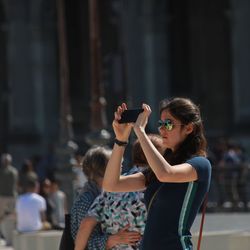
x,y
114,211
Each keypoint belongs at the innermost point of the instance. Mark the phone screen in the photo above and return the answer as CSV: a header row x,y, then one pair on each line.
x,y
130,115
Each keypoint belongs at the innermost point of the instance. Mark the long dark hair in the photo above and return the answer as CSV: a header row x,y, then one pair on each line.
x,y
184,110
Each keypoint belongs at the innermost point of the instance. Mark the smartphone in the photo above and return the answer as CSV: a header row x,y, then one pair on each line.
x,y
130,115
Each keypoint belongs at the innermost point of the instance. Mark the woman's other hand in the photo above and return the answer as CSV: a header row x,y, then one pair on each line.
x,y
142,119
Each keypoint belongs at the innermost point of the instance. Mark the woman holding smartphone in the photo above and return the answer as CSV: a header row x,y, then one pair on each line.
x,y
176,183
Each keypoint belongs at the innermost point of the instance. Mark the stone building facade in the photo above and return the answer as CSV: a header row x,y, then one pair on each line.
x,y
150,50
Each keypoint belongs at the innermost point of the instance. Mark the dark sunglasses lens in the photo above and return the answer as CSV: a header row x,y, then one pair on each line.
x,y
160,123
167,124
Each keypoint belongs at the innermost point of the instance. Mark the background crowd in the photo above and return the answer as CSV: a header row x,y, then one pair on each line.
x,y
230,189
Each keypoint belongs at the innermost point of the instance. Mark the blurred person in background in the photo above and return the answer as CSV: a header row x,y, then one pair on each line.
x,y
234,173
217,149
31,208
8,194
45,190
58,198
79,179
27,170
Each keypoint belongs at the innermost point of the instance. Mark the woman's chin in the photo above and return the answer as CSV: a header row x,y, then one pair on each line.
x,y
165,142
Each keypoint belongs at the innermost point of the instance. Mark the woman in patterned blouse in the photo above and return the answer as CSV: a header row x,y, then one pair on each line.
x,y
94,164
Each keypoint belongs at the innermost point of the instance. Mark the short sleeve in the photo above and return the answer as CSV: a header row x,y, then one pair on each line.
x,y
149,176
146,172
79,211
202,166
96,208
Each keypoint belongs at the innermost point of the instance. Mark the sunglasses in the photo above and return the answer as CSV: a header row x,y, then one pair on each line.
x,y
167,124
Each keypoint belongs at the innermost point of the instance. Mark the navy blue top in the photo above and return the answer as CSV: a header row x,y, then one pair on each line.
x,y
174,209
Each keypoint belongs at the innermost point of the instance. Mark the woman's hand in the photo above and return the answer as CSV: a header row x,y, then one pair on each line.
x,y
122,131
123,237
142,119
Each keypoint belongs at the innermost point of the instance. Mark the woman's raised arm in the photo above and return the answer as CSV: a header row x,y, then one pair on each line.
x,y
113,181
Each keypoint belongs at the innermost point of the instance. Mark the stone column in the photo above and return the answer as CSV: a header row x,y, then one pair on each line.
x,y
30,66
146,37
4,88
156,54
25,131
240,20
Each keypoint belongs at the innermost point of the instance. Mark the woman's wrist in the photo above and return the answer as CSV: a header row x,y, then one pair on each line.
x,y
139,131
122,143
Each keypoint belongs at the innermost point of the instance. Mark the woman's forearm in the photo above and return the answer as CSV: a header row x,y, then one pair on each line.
x,y
113,170
155,160
83,234
165,172
114,182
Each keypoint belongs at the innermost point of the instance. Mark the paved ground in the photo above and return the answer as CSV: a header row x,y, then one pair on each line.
x,y
224,222
6,248
2,247
213,222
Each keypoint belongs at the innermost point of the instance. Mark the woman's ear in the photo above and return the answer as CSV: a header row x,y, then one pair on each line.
x,y
189,128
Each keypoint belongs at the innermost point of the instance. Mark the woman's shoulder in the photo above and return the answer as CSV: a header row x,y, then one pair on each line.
x,y
85,198
202,165
199,159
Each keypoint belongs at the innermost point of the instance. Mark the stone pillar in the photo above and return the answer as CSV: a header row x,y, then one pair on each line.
x,y
65,147
4,88
240,20
156,54
208,47
32,86
22,103
146,37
